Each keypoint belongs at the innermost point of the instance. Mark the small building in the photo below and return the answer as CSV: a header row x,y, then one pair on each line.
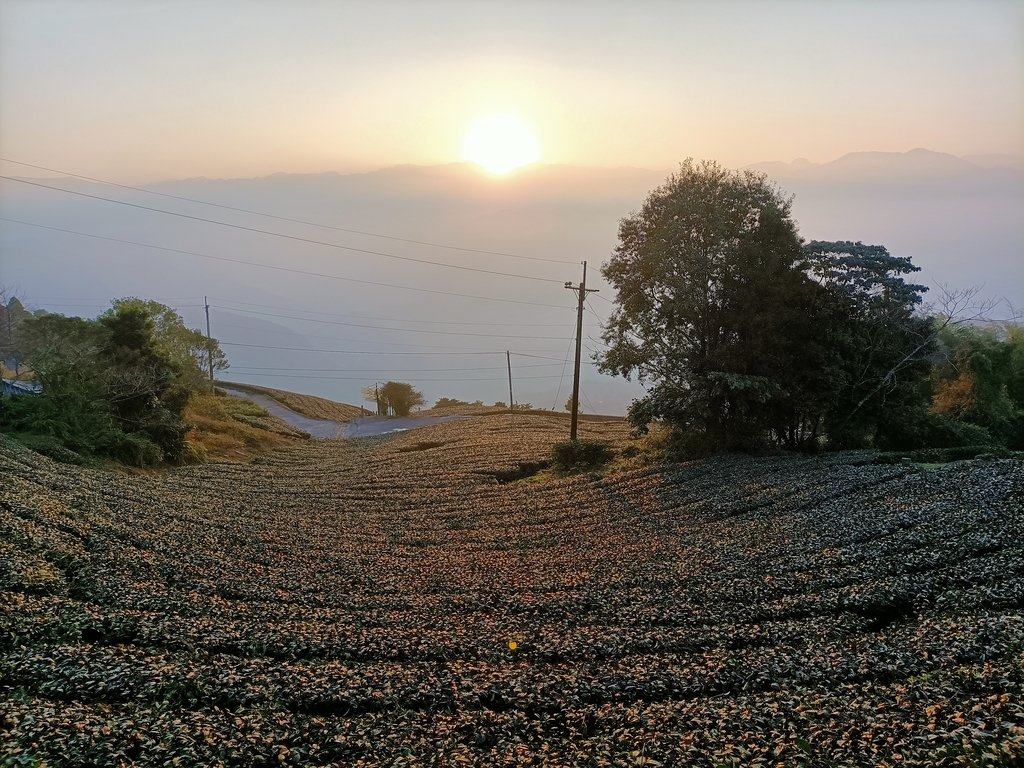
x,y
18,387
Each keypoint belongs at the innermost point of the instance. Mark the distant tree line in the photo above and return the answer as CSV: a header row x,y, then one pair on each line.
x,y
114,387
748,337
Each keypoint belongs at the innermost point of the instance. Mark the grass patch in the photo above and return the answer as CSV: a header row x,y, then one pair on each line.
x,y
308,405
223,428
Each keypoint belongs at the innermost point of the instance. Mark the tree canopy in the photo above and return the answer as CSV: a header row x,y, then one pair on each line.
x,y
400,398
394,398
112,387
187,347
743,334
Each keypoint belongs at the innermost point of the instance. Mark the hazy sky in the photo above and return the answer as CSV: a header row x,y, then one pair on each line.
x,y
140,90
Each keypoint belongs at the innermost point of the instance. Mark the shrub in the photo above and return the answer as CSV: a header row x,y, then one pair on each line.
x,y
943,455
579,454
137,451
912,429
194,453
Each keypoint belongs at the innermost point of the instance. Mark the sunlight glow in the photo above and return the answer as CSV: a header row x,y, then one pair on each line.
x,y
500,143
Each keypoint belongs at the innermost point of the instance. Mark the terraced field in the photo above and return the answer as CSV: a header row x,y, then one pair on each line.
x,y
404,601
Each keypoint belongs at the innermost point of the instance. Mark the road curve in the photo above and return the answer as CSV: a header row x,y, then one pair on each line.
x,y
325,429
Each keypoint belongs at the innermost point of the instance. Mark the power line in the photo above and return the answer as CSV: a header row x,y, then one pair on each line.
x,y
386,319
284,218
590,308
543,357
355,351
383,370
277,268
97,306
386,328
280,234
561,378
363,378
378,352
102,299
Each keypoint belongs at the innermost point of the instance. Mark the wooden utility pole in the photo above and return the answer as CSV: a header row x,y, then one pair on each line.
x,y
209,341
581,291
508,359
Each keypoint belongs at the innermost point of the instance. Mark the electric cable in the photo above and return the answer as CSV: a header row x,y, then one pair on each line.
x,y
282,235
283,218
279,269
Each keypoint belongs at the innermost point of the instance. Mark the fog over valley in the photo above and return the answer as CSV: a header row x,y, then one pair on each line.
x,y
958,218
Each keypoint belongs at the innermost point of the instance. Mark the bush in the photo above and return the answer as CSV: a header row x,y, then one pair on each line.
x,y
579,454
684,445
137,451
943,455
194,453
909,430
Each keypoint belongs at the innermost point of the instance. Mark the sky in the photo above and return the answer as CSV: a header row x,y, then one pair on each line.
x,y
140,90
231,102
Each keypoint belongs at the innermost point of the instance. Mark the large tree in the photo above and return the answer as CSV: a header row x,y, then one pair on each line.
x,y
877,342
399,398
714,306
188,348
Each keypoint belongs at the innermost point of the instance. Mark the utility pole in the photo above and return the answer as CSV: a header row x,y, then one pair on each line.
x,y
209,341
581,291
508,359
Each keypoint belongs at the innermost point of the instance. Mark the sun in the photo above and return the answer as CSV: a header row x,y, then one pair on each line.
x,y
500,143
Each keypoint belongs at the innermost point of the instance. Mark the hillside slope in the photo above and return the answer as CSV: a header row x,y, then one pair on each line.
x,y
308,405
390,601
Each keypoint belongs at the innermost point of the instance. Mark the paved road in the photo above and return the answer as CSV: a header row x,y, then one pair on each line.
x,y
325,429
322,429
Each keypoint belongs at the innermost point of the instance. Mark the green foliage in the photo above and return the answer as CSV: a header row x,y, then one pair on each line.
x,y
908,428
943,455
449,402
711,305
876,346
747,338
399,398
137,451
574,455
111,387
979,379
21,759
185,347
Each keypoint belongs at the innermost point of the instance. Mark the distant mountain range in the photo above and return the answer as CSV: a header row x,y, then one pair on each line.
x,y
917,165
958,217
